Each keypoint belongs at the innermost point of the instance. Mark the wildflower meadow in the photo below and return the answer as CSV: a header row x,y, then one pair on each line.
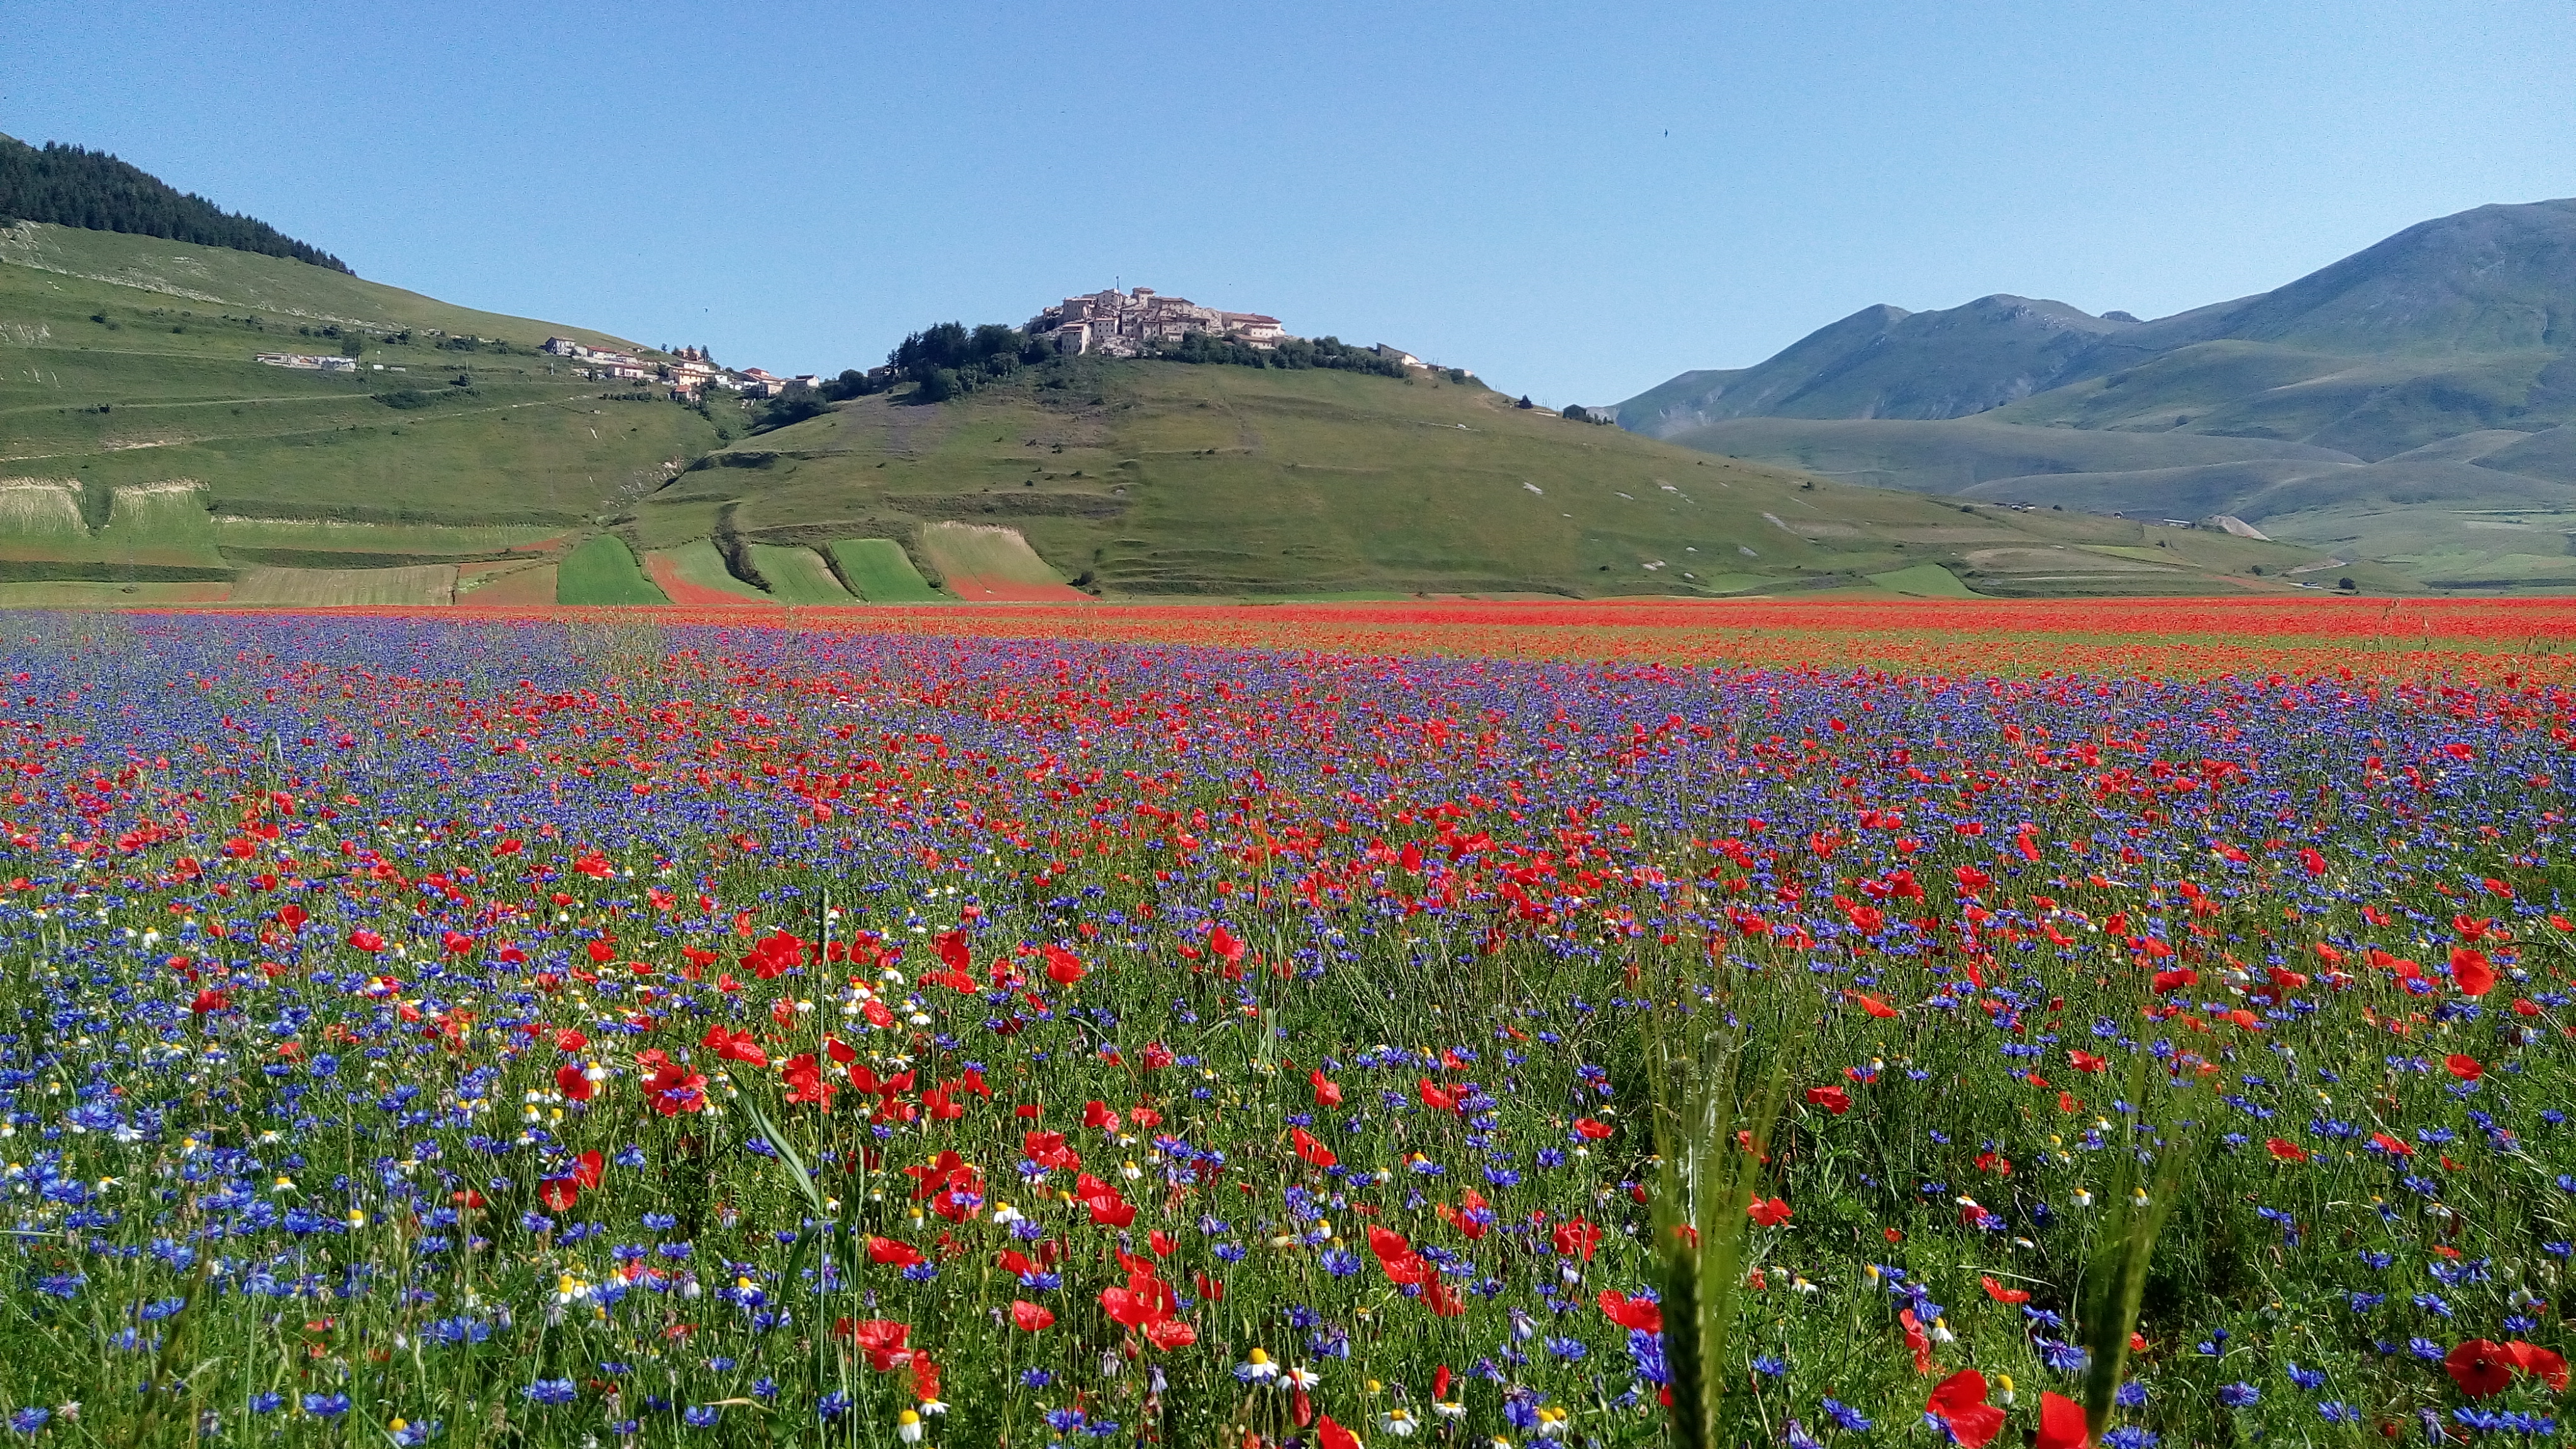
x,y
682,1031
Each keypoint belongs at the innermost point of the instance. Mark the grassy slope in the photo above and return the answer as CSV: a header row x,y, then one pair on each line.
x,y
603,571
1162,478
881,572
1141,478
165,388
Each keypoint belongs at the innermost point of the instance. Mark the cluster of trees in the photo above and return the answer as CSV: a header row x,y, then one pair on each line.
x,y
1293,353
74,186
950,361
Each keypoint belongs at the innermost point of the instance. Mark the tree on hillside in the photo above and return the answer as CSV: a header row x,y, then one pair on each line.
x,y
72,186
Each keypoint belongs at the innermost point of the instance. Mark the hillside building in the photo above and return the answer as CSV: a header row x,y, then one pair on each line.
x,y
1123,324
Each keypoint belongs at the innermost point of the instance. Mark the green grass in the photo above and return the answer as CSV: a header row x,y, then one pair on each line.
x,y
880,570
603,571
1924,581
163,386
798,575
415,586
1147,479
700,564
1161,479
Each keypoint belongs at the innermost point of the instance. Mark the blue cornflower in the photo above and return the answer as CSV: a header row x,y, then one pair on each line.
x,y
550,1391
266,1403
28,1420
832,1406
2338,1413
701,1416
2129,1436
2306,1378
1770,1365
2239,1395
1844,1415
326,1406
1569,1349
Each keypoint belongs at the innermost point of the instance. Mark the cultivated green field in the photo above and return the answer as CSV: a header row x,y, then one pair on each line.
x,y
697,565
604,571
881,571
797,575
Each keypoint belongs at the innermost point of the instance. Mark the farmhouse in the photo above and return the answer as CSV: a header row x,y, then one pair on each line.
x,y
308,362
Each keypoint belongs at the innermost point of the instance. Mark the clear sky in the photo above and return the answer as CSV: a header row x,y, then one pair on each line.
x,y
1575,200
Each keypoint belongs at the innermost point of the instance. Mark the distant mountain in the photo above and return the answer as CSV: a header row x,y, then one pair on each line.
x,y
1886,362
74,186
2429,377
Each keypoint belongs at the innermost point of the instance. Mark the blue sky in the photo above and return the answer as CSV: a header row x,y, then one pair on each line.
x,y
1577,201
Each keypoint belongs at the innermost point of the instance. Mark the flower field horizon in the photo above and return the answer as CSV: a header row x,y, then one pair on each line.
x,y
2126,1023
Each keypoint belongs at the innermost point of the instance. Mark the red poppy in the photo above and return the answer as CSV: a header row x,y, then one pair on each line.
x,y
1576,1238
2545,1363
1959,1402
2061,1424
672,1088
1917,1340
1327,1094
2471,971
881,1339
2002,1294
570,1081
2481,1367
1594,1130
1030,1317
734,1046
1310,1149
1833,1099
1433,1096
2285,1149
1334,1436
1769,1214
1869,1003
805,1080
892,1252
1636,1313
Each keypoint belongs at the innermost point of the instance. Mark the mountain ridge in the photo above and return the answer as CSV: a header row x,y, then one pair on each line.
x,y
2462,324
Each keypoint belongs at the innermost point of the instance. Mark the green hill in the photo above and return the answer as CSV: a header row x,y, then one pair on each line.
x,y
74,186
2407,405
1160,478
145,455
127,369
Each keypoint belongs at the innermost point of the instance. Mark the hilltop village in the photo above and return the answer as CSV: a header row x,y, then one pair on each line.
x,y
1108,323
1112,323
